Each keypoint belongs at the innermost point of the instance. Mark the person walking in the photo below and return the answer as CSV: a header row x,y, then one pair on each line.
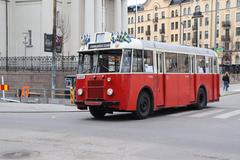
x,y
226,81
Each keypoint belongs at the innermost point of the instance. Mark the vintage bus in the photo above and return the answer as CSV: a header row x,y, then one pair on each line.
x,y
125,74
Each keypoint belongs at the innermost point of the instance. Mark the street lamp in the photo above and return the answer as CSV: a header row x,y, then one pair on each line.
x,y
6,35
196,15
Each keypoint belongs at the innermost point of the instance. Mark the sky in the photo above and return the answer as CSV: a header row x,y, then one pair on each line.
x,y
132,2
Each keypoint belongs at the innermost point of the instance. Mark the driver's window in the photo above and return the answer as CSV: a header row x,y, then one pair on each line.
x,y
126,61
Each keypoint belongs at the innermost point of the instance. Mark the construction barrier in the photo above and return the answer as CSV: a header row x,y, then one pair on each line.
x,y
4,87
71,95
25,91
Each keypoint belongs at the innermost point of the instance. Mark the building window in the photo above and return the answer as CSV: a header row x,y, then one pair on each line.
x,y
176,25
200,22
142,29
205,45
184,11
238,17
189,23
176,37
206,35
155,38
184,36
176,13
156,8
217,19
238,3
139,29
217,33
206,21
189,11
163,14
188,36
129,20
226,46
228,4
218,6
227,17
132,20
184,24
138,19
197,8
172,26
172,37
206,8
172,15
238,31
142,19
200,35
149,17
148,38
156,15
129,31
237,45
155,28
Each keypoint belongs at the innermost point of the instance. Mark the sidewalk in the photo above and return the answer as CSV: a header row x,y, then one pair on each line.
x,y
233,89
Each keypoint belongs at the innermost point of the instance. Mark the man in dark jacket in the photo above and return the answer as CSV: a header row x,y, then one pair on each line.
x,y
226,81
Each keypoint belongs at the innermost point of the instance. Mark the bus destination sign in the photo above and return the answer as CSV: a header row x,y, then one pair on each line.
x,y
99,45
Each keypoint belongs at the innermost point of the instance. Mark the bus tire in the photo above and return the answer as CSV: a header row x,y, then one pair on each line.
x,y
97,113
201,99
143,108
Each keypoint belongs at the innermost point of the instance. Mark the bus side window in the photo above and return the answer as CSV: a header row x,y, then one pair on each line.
x,y
126,61
148,61
215,66
137,61
171,62
183,63
201,67
192,63
159,62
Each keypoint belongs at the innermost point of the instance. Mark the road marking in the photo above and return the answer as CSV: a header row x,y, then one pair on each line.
x,y
183,113
207,113
228,115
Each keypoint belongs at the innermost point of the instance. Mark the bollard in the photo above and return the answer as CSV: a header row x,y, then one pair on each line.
x,y
71,95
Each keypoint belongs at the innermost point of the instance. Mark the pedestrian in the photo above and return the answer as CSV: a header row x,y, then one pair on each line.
x,y
226,81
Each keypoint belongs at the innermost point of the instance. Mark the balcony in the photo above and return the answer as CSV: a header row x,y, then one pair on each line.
x,y
197,15
162,31
148,33
194,27
155,20
225,38
226,24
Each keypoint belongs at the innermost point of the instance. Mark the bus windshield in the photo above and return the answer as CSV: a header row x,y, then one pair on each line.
x,y
103,61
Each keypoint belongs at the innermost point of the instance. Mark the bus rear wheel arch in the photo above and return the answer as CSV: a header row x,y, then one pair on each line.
x,y
144,104
201,101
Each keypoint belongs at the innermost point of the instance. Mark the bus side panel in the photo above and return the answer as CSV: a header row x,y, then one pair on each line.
x,y
160,90
137,82
171,90
216,87
184,89
205,80
192,97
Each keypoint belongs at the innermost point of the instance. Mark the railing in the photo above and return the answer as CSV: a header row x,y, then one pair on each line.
x,y
225,38
226,24
63,63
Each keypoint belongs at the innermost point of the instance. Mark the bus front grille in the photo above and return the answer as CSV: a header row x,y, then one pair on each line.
x,y
95,89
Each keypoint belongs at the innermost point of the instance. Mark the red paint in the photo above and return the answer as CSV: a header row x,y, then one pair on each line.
x,y
169,90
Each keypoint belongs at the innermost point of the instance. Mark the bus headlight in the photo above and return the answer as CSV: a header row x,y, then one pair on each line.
x,y
110,92
80,92
109,79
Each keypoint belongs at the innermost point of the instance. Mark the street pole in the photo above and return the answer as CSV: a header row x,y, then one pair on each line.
x,y
180,36
6,35
215,35
54,49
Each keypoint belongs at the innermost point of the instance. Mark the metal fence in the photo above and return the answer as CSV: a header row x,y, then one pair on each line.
x,y
63,63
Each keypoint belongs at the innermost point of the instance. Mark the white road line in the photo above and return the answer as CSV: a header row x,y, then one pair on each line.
x,y
228,115
183,113
207,113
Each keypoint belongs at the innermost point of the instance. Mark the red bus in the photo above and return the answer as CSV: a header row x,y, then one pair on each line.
x,y
144,76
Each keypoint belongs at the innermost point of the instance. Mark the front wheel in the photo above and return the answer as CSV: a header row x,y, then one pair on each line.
x,y
201,99
97,113
143,106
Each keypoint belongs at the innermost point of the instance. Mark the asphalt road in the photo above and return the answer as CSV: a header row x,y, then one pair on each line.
x,y
53,132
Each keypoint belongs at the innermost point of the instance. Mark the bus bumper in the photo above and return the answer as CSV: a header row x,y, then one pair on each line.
x,y
84,104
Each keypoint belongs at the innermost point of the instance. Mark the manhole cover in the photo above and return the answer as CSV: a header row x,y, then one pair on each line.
x,y
19,154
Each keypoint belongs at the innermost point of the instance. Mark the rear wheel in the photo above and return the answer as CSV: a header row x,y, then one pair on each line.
x,y
201,99
143,106
97,113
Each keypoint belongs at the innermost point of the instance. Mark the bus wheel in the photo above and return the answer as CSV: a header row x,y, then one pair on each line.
x,y
143,106
97,113
201,99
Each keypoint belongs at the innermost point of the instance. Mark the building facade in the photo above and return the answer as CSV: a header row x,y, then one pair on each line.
x,y
29,20
202,23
